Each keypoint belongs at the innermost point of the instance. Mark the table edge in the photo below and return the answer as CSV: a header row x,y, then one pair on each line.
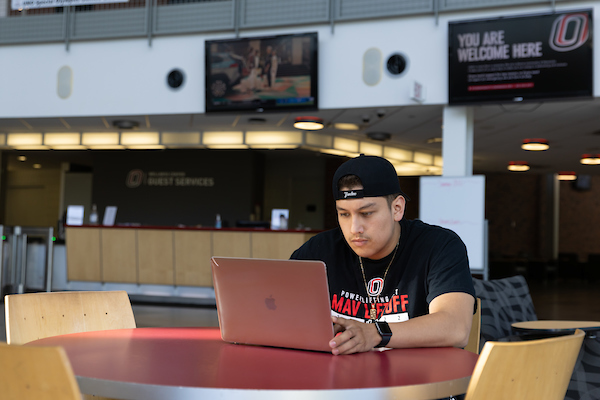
x,y
139,391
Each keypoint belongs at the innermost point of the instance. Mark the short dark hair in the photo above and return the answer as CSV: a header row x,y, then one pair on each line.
x,y
351,181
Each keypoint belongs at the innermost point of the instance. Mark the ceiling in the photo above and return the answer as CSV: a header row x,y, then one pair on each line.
x,y
571,127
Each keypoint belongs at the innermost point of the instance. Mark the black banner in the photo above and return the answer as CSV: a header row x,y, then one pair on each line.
x,y
547,56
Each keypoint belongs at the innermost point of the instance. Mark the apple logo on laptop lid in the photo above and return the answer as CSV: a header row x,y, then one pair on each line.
x,y
270,303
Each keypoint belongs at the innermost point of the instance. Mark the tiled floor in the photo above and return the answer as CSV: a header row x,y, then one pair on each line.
x,y
566,300
571,300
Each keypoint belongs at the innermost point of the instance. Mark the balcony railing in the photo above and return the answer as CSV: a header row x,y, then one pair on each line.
x,y
149,18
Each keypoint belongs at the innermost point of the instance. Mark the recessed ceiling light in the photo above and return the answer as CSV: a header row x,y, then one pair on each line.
x,y
518,166
567,176
590,159
37,166
22,158
535,144
308,123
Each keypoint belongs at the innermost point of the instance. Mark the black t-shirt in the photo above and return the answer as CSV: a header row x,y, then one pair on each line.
x,y
430,261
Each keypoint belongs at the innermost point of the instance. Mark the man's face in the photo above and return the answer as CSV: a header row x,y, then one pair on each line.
x,y
370,225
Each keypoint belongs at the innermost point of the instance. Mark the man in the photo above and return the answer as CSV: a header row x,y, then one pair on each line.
x,y
393,282
266,70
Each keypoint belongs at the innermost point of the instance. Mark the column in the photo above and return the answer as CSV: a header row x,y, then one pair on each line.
x,y
457,143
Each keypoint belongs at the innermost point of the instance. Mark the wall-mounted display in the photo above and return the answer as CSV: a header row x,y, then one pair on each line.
x,y
513,59
258,74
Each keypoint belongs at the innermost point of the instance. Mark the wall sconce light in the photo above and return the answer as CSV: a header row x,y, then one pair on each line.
x,y
395,153
347,145
101,140
224,140
346,126
274,139
535,144
140,138
63,141
518,166
370,149
308,123
24,139
567,176
590,159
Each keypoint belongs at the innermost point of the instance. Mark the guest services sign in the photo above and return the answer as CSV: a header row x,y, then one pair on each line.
x,y
521,58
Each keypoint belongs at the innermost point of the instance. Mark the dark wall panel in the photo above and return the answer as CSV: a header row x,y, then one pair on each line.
x,y
172,187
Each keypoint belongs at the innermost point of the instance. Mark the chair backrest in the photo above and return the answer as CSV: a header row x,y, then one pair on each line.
x,y
33,316
475,334
40,373
531,369
503,302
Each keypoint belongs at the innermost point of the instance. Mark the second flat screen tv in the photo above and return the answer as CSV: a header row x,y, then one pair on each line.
x,y
270,73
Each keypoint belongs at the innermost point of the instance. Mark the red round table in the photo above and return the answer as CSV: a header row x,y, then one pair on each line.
x,y
186,363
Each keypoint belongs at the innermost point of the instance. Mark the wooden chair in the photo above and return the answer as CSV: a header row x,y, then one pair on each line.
x,y
33,316
473,345
533,369
40,373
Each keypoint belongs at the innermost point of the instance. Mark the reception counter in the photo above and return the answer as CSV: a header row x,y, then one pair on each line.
x,y
167,255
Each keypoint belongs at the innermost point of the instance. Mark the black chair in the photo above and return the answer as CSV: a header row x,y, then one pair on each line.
x,y
585,381
503,302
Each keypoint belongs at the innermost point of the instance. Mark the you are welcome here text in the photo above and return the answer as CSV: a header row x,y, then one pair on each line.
x,y
491,46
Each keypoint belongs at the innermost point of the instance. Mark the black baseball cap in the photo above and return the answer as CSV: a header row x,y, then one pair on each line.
x,y
378,177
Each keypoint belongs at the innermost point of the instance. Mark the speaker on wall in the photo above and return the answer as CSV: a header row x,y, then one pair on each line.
x,y
396,64
175,78
372,66
64,82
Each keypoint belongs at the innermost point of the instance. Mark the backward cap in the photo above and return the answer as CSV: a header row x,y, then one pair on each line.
x,y
378,177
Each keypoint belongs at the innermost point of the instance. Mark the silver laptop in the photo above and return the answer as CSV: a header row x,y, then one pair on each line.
x,y
281,303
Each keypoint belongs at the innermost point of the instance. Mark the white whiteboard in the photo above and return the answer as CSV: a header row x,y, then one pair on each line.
x,y
457,203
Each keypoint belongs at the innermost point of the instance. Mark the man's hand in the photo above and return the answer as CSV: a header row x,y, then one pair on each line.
x,y
353,336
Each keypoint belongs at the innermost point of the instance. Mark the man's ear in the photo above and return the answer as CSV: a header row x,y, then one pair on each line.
x,y
398,207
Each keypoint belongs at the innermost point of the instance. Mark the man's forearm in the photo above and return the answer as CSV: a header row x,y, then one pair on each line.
x,y
433,330
447,324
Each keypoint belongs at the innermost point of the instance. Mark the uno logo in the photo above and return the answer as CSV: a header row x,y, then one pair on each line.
x,y
134,178
576,26
375,286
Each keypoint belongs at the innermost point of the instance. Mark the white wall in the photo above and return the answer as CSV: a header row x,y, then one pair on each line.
x,y
128,77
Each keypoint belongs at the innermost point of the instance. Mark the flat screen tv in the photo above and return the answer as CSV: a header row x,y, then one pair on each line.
x,y
269,73
521,58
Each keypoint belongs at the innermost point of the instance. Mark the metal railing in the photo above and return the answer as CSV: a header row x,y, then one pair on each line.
x,y
149,18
